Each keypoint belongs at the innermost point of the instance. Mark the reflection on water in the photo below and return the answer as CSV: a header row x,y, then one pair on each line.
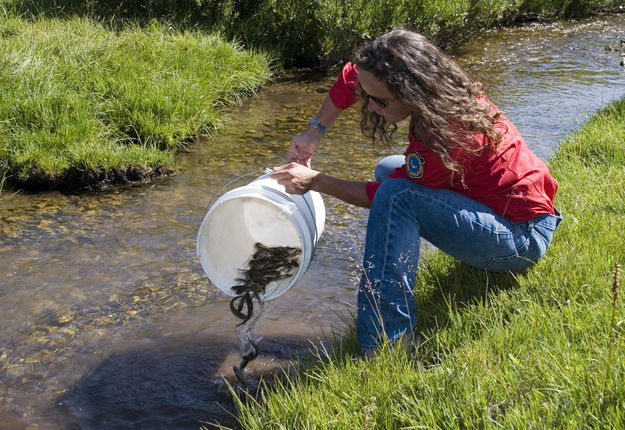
x,y
107,319
550,78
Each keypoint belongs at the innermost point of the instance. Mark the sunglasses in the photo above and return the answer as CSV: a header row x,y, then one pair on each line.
x,y
380,102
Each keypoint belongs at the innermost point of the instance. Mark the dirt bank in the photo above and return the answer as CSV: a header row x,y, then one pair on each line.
x,y
76,180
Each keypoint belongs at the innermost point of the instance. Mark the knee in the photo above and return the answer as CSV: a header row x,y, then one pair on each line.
x,y
386,166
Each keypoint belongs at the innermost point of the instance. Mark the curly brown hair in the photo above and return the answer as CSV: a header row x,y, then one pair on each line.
x,y
446,110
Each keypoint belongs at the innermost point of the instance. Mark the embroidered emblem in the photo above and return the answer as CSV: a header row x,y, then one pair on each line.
x,y
414,165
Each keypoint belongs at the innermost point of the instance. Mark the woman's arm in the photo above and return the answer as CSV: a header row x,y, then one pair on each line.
x,y
298,179
303,145
352,192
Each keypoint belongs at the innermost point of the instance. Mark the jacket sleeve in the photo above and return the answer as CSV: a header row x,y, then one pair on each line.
x,y
344,91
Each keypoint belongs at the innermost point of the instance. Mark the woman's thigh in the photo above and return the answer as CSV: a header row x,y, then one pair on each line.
x,y
464,228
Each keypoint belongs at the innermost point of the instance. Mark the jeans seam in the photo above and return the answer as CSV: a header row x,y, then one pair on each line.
x,y
389,230
392,215
393,210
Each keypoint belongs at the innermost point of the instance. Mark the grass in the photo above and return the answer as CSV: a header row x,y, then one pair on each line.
x,y
75,95
539,349
310,32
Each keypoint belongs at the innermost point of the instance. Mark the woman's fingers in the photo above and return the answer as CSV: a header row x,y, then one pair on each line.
x,y
296,178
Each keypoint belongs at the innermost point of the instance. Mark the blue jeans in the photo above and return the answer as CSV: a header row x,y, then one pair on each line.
x,y
401,213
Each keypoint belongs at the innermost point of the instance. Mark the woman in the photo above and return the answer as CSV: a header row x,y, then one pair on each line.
x,y
467,182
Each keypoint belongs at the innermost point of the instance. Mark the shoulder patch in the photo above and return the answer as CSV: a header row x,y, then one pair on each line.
x,y
415,165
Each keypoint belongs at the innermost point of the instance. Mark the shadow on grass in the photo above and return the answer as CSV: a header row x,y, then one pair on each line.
x,y
446,286
445,289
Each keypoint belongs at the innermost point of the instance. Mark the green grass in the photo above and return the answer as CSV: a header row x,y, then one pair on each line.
x,y
310,32
77,95
541,349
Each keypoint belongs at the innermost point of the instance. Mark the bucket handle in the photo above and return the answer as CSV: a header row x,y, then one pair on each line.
x,y
212,199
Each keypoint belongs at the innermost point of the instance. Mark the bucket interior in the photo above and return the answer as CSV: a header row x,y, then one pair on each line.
x,y
228,236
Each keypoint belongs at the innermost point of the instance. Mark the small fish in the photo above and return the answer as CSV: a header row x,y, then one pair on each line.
x,y
239,370
268,264
237,304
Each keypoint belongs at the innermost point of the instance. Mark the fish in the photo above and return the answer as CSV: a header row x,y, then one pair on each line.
x,y
268,264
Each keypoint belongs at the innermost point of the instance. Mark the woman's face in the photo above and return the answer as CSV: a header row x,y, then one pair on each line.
x,y
381,100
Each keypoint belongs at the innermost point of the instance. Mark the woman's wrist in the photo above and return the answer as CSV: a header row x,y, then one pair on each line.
x,y
317,183
315,123
314,132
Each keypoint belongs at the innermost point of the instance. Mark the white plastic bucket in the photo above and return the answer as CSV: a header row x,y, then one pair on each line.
x,y
264,212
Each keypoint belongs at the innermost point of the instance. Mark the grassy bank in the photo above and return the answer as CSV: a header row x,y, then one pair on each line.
x,y
310,32
101,93
83,105
540,349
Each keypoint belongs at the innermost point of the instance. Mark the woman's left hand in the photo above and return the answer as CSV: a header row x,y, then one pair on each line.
x,y
296,178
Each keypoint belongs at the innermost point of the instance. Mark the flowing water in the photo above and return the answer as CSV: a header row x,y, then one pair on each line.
x,y
107,318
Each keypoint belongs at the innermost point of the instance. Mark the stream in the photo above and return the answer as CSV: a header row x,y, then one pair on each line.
x,y
107,319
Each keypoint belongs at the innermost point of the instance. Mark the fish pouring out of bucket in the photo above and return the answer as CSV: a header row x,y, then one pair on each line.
x,y
255,243
268,264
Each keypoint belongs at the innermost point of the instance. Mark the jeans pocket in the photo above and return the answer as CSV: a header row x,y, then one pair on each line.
x,y
545,227
526,252
531,239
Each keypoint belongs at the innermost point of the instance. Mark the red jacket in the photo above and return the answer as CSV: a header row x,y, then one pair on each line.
x,y
512,181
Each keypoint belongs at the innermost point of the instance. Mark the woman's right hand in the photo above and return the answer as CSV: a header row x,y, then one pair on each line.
x,y
303,146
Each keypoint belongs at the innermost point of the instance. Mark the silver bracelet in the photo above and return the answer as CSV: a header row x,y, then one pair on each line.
x,y
315,123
